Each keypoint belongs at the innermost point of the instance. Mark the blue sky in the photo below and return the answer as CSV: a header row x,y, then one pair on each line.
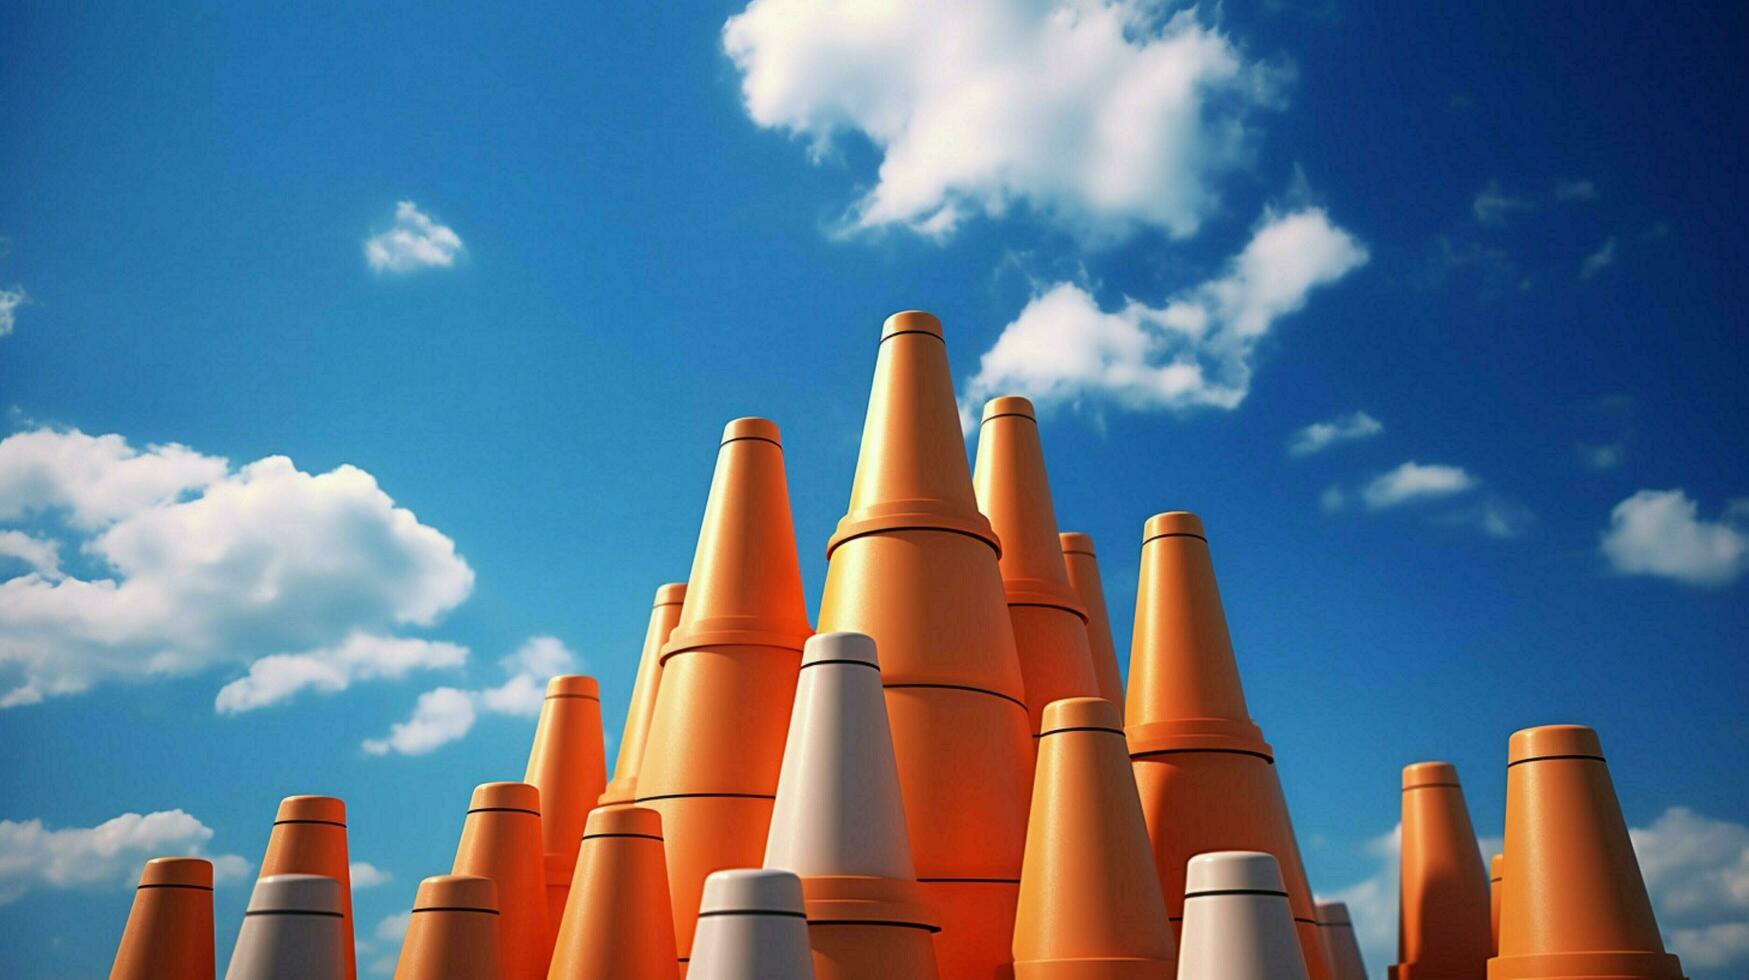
x,y
290,463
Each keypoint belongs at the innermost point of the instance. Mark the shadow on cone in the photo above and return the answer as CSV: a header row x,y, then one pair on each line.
x,y
1442,892
501,840
619,922
293,930
566,764
453,931
1206,778
309,837
715,743
1496,879
1090,902
1083,571
913,564
839,821
1237,923
1574,902
751,927
1339,939
170,928
664,616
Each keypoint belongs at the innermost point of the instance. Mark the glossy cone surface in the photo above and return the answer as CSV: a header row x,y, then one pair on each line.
x,y
1083,571
309,837
1442,895
1237,924
1496,881
664,616
170,928
293,930
566,764
914,565
1090,902
1574,904
501,840
453,931
1207,779
751,927
1340,940
715,743
619,922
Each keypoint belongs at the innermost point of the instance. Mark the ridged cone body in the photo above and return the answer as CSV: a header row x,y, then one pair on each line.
x,y
1237,923
839,822
1207,779
1050,620
566,763
309,837
914,565
1090,902
1340,940
1442,891
1496,887
452,933
751,927
1574,902
1083,570
664,616
619,922
292,930
715,743
170,928
501,840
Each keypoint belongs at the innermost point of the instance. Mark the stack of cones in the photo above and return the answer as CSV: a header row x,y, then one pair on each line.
x,y
170,927
1442,894
1339,939
1237,921
309,837
453,931
501,840
293,930
914,565
619,922
751,927
566,764
1083,570
664,616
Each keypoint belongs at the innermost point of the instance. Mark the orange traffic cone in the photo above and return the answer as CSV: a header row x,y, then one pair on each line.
x,y
1206,777
453,931
840,825
914,565
292,930
619,923
715,743
1339,939
501,840
1574,904
566,765
170,928
1050,621
1237,922
664,616
309,837
751,927
1083,571
1496,878
1090,903
1442,894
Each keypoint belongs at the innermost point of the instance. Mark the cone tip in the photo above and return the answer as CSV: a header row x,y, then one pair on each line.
x,y
672,594
821,647
1333,914
1553,741
1497,867
752,428
1008,405
296,893
440,892
1080,714
1227,871
1173,523
505,796
320,809
573,686
1075,543
191,872
637,820
1429,774
752,890
911,321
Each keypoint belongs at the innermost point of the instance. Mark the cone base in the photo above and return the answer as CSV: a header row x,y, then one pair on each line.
x,y
965,773
1054,658
871,951
702,834
977,926
1104,968
1586,966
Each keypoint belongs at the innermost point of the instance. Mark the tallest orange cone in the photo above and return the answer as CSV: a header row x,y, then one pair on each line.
x,y
914,565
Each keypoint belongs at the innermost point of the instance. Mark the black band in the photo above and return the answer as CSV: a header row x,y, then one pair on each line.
x,y
961,687
860,663
1081,728
655,837
1236,891
783,912
1175,534
873,922
1144,755
774,442
969,881
688,796
330,915
1427,785
328,823
455,908
198,888
1547,758
504,809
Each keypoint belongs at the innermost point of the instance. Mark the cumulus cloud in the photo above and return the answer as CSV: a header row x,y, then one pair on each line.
x,y
1139,112
415,242
1415,481
1492,206
1661,532
109,854
40,555
441,715
446,714
1575,190
1194,351
10,301
1599,260
367,875
1320,436
95,480
361,656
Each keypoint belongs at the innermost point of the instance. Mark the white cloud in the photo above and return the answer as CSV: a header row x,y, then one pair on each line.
x,y
1660,532
1138,113
367,875
415,242
1493,206
196,564
41,555
441,716
1320,436
1194,351
361,656
1599,260
10,301
1415,481
1575,190
111,853
447,713
1602,457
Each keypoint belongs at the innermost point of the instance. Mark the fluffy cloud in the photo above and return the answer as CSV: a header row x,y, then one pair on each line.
x,y
10,301
1139,112
441,715
111,853
1599,260
40,555
1660,532
415,242
1196,350
361,656
1320,436
367,875
447,713
1492,206
193,563
1414,481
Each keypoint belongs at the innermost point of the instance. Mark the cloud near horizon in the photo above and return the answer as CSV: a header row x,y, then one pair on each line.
x,y
445,714
110,854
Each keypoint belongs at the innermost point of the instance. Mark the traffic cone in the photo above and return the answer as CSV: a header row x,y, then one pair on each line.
x,y
1496,878
309,837
1442,893
1090,903
913,564
1050,621
293,930
501,840
1574,903
1207,779
1083,571
566,765
839,823
1339,939
715,743
664,616
453,931
170,928
1237,921
751,927
619,923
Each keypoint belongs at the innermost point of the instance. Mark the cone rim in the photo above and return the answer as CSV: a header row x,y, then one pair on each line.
x,y
911,322
1005,406
177,872
305,808
1076,543
1174,524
